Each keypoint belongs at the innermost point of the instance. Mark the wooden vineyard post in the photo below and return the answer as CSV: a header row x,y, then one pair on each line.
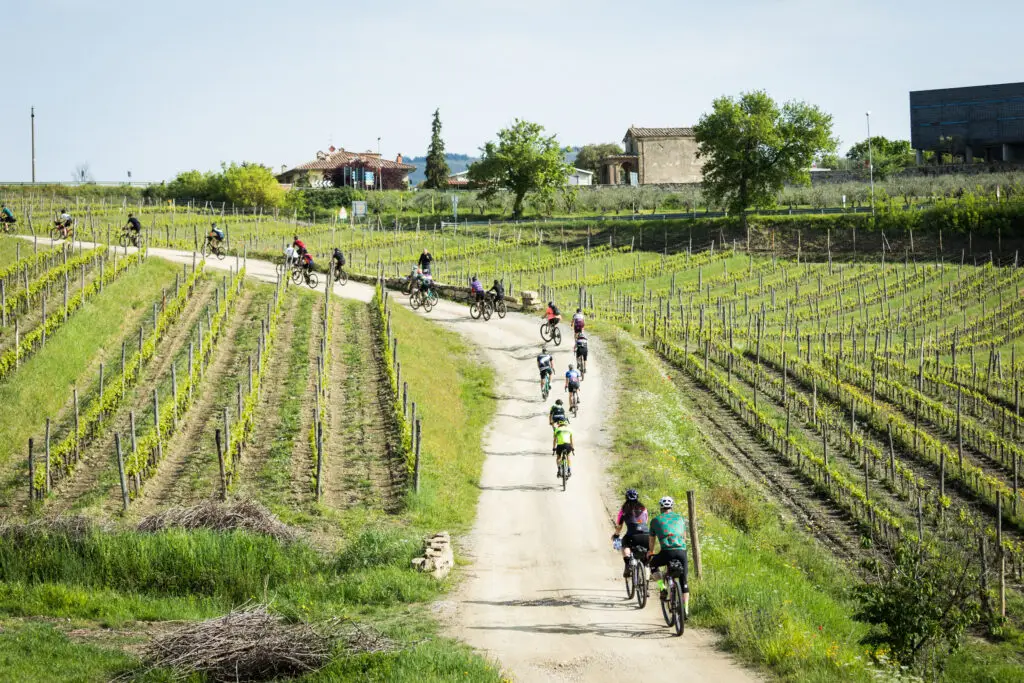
x,y
892,454
220,461
416,466
120,472
1001,555
691,508
159,454
74,397
174,394
31,474
319,459
46,460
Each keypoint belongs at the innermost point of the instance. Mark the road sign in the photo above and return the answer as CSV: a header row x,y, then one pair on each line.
x,y
455,207
358,209
634,178
369,178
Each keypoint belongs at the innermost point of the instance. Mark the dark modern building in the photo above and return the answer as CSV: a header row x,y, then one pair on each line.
x,y
985,121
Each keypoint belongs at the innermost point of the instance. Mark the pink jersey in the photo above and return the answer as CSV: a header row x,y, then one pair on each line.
x,y
636,521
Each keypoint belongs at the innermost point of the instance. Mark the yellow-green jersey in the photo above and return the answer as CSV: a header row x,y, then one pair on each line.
x,y
563,436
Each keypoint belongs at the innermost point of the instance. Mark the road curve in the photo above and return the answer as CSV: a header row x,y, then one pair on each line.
x,y
544,594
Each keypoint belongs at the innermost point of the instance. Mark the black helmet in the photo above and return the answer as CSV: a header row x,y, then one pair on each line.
x,y
131,215
632,494
544,350
337,251
558,401
551,304
579,310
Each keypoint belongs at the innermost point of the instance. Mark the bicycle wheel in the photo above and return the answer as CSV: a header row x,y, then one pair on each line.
x,y
565,470
415,300
545,332
679,619
630,579
124,241
581,363
641,584
342,278
666,608
428,303
219,251
500,309
488,310
574,408
474,310
556,336
56,234
313,280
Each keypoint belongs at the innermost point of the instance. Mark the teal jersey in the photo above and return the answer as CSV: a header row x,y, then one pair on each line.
x,y
670,530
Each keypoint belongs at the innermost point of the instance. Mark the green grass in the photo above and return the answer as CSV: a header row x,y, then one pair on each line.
x,y
42,386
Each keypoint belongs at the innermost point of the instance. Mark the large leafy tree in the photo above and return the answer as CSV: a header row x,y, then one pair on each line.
x,y
752,147
888,156
523,160
589,157
250,184
437,165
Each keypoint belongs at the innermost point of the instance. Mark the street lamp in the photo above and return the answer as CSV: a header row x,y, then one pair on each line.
x,y
871,165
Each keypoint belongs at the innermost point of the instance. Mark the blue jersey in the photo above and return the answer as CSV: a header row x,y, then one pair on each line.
x,y
573,376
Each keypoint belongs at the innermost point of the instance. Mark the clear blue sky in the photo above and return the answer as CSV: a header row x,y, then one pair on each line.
x,y
157,88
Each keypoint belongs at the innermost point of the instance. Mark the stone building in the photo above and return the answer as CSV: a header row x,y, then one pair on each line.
x,y
976,122
339,168
654,156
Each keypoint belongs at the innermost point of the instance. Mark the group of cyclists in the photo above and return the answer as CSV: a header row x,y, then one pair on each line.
x,y
297,256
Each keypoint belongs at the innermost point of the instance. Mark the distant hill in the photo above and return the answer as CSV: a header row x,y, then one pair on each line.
x,y
456,162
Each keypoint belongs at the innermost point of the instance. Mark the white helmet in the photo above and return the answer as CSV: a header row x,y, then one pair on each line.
x,y
667,503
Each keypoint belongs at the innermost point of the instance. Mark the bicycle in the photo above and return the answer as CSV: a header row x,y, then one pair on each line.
x,y
581,363
310,277
341,277
546,389
287,264
59,231
481,308
563,466
672,602
130,238
216,249
8,226
549,332
574,403
498,305
636,580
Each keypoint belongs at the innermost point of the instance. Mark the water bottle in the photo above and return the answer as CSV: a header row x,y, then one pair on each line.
x,y
617,544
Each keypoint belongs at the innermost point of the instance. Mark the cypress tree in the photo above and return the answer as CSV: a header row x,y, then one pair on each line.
x,y
437,165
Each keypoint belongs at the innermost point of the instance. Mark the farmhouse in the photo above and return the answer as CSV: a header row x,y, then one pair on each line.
x,y
654,156
339,168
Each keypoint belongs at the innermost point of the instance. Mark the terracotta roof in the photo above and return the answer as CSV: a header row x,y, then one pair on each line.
x,y
636,133
342,158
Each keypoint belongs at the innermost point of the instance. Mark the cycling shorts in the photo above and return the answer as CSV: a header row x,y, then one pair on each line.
x,y
563,448
577,325
665,556
8,219
637,540
574,386
546,372
582,353
479,296
554,320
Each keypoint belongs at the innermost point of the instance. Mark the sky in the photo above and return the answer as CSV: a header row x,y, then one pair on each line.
x,y
156,88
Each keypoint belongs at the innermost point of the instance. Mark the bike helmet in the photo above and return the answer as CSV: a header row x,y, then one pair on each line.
x,y
544,350
551,304
579,310
581,336
667,503
558,401
571,366
632,495
131,215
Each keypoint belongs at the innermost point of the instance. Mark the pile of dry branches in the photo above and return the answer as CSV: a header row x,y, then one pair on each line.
x,y
72,526
247,515
254,645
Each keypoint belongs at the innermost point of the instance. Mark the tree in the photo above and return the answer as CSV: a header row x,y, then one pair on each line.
x,y
82,174
888,156
437,165
589,157
751,148
522,160
249,184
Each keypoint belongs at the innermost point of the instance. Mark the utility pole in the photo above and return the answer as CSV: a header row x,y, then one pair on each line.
x,y
33,145
871,166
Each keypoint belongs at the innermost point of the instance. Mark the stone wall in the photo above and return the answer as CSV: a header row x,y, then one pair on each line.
x,y
669,160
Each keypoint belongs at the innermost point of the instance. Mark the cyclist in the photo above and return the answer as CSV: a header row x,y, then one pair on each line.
x,y
425,281
64,222
669,528
572,383
424,262
134,226
339,261
546,365
557,414
476,288
6,215
580,350
307,265
633,515
562,442
553,315
298,244
216,235
578,322
498,290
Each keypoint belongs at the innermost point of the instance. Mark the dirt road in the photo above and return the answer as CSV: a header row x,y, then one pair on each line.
x,y
544,594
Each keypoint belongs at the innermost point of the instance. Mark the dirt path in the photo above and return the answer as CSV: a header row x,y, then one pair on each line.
x,y
358,470
544,591
172,485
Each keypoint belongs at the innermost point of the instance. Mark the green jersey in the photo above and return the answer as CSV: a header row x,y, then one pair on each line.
x,y
563,435
670,530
